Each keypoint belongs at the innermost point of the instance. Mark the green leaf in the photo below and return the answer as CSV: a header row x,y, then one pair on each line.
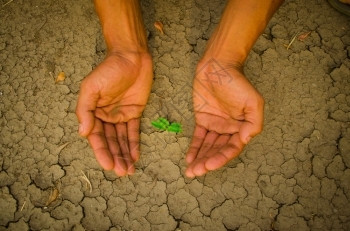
x,y
160,123
174,127
163,124
164,121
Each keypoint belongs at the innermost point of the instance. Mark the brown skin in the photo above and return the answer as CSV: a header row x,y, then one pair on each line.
x,y
345,1
113,96
233,110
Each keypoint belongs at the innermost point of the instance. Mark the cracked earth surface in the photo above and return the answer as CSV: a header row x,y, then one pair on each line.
x,y
294,176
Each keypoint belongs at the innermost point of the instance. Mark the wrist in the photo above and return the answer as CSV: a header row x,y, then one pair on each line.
x,y
127,38
131,56
224,53
241,24
122,25
231,42
124,45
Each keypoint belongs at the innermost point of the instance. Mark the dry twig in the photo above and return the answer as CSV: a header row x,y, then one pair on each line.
x,y
7,3
291,41
24,203
87,181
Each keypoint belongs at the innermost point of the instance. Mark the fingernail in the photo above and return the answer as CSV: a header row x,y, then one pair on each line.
x,y
81,129
248,139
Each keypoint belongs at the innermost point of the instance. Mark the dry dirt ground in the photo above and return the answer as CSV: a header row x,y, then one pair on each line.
x,y
294,176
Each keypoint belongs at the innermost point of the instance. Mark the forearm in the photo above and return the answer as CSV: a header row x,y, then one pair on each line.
x,y
122,25
241,24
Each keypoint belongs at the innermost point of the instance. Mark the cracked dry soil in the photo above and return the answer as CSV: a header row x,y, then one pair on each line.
x,y
294,176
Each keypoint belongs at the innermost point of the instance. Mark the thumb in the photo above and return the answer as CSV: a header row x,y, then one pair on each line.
x,y
253,124
85,109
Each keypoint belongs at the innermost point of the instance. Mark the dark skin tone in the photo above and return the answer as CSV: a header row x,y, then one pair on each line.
x,y
112,108
233,109
113,96
228,113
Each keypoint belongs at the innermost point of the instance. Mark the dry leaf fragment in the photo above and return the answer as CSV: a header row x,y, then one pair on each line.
x,y
303,36
53,196
159,26
61,76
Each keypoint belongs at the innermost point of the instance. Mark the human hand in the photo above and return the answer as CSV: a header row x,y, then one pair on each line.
x,y
111,100
228,112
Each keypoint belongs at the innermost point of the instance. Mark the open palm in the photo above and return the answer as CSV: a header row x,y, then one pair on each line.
x,y
111,100
228,112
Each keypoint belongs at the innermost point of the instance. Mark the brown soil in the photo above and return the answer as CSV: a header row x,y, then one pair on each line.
x,y
293,176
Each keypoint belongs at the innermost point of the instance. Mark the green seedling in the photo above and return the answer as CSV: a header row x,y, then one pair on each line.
x,y
175,127
161,123
164,125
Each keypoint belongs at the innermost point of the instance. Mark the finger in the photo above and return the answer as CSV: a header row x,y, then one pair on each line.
x,y
99,145
208,142
189,172
113,146
134,138
226,153
197,140
122,137
197,168
85,108
254,118
220,142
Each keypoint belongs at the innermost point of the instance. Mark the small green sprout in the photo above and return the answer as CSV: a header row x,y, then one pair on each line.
x,y
164,125
161,123
175,127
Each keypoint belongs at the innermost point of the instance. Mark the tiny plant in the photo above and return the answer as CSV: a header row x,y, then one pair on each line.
x,y
174,127
161,123
164,125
